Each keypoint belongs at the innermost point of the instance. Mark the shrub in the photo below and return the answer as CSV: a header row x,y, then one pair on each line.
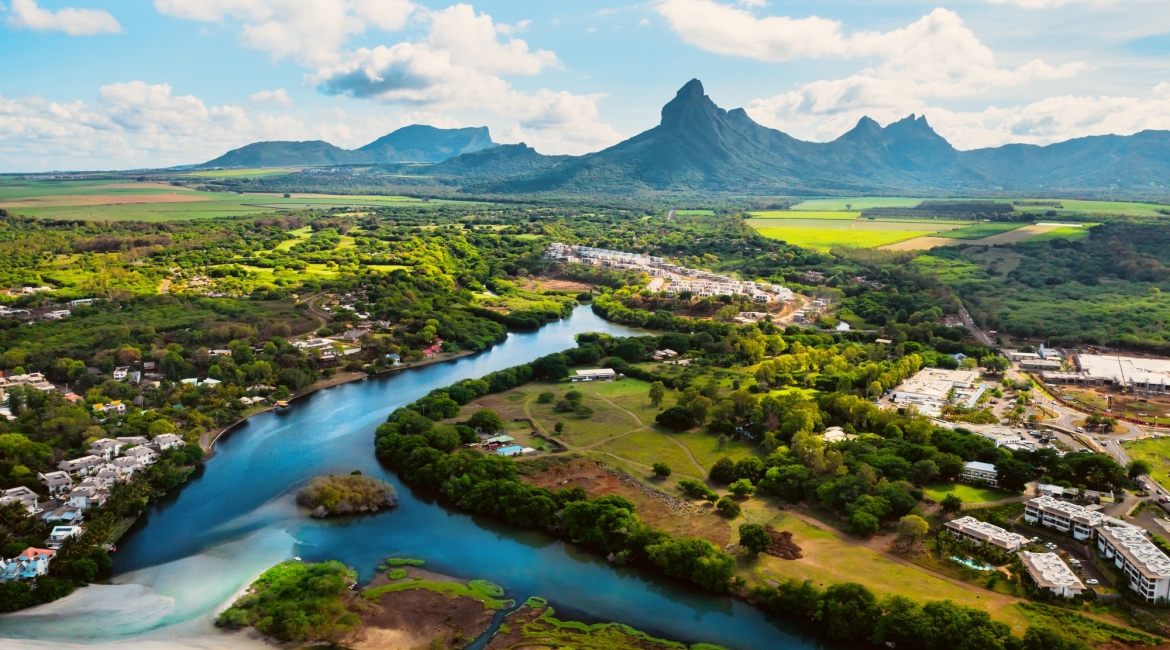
x,y
754,538
661,470
742,488
731,509
723,472
545,398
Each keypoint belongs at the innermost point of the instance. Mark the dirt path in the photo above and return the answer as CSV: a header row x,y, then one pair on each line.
x,y
165,286
686,450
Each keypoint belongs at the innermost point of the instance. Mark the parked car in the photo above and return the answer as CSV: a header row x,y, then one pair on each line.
x,y
1092,581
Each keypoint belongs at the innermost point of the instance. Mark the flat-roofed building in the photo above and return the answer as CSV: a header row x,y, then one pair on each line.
x,y
601,374
1145,566
1151,375
982,532
1063,516
1041,365
1050,573
932,388
977,472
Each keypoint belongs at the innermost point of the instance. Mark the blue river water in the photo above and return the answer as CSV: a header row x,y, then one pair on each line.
x,y
195,549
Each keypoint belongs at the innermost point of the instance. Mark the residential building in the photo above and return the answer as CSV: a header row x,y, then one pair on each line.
x,y
69,515
932,388
33,379
125,466
121,373
106,448
601,374
83,466
982,532
1145,566
1050,573
514,450
21,494
143,455
61,533
1063,516
85,497
168,441
116,407
499,440
133,440
32,562
107,476
977,472
58,482
219,353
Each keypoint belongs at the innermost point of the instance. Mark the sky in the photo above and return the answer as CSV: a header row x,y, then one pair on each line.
x,y
129,84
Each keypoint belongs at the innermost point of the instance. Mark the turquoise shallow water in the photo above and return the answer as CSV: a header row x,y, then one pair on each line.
x,y
194,549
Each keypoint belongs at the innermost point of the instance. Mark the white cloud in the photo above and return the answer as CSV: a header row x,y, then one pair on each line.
x,y
131,124
278,97
643,22
1048,4
311,32
75,22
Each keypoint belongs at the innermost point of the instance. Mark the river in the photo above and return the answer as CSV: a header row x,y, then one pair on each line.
x,y
195,549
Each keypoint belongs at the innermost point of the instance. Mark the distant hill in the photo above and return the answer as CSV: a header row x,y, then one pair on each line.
x,y
698,146
415,143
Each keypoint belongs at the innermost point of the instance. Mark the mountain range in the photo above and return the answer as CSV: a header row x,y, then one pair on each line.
x,y
700,147
415,143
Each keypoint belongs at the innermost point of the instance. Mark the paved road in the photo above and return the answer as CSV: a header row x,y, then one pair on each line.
x,y
970,324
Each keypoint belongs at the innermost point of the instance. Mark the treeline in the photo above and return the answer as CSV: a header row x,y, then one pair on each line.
x,y
850,613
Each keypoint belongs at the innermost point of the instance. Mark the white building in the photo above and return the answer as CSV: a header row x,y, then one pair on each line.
x,y
121,372
1050,573
1145,566
33,379
21,494
61,533
113,407
83,466
932,388
168,441
982,532
107,448
1063,516
58,482
32,562
601,374
977,472
87,496
142,455
1139,374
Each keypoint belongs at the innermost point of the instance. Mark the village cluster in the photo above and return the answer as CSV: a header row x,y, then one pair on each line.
x,y
55,311
669,278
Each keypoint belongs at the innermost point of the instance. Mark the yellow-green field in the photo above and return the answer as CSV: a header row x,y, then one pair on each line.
x,y
968,493
856,203
792,214
243,173
825,234
1155,451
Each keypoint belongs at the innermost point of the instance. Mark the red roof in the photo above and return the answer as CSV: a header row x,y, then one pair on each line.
x,y
33,553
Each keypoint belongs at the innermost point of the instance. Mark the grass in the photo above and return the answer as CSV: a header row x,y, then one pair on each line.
x,y
1114,207
404,561
803,214
539,628
648,447
968,493
485,592
828,559
1155,451
824,239
981,230
1070,233
243,173
1097,633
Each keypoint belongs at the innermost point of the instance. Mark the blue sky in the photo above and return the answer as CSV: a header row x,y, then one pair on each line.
x,y
97,84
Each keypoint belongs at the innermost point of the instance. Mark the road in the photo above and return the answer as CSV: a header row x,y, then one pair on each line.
x,y
970,324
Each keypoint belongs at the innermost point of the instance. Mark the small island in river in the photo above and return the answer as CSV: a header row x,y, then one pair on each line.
x,y
346,494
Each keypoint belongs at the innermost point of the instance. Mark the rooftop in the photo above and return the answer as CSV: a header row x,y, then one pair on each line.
x,y
1049,571
988,532
1071,510
1141,552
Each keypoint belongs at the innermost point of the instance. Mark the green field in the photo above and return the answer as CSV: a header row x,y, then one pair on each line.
x,y
792,214
981,230
243,173
1071,233
825,234
968,493
856,203
121,199
1155,451
1113,207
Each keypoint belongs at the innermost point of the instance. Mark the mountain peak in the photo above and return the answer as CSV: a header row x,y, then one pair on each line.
x,y
691,107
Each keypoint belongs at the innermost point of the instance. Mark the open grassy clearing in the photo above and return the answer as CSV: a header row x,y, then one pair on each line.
x,y
1071,233
253,172
828,559
856,203
825,239
968,493
1114,207
792,214
1155,451
647,447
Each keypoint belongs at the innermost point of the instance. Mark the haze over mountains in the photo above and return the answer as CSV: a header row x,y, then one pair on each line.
x,y
698,146
415,143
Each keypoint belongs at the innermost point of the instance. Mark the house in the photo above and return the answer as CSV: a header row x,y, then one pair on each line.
x,y
1063,516
835,434
56,314
395,358
107,476
246,401
64,515
125,466
58,482
1046,489
80,302
136,378
32,562
61,533
220,353
121,372
977,472
499,440
133,440
210,382
168,441
73,398
1145,566
665,354
1050,573
113,407
142,455
106,448
601,374
85,497
82,466
514,450
982,532
21,494
190,381
33,379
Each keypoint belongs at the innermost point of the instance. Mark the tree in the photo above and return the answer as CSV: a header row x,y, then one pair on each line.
x,y
1012,475
863,524
754,538
676,418
950,466
545,398
1137,468
742,488
583,412
723,471
662,470
849,611
912,529
951,504
486,420
924,471
657,392
728,508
